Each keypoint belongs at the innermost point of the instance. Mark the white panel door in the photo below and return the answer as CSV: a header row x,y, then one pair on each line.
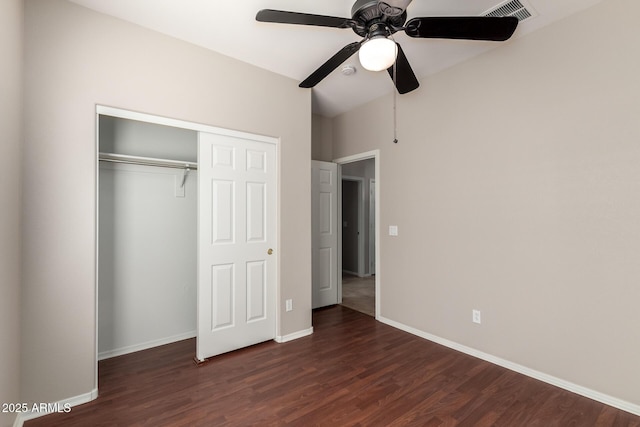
x,y
324,222
236,243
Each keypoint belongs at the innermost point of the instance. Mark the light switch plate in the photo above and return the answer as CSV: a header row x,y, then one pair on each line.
x,y
393,230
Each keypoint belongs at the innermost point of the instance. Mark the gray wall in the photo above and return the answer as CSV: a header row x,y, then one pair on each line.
x,y
519,197
75,59
135,138
11,45
321,138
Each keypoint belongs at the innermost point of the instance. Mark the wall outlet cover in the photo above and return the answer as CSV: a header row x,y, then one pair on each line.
x,y
476,316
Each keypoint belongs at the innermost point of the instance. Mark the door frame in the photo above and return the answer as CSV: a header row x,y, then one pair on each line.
x,y
372,227
373,154
103,110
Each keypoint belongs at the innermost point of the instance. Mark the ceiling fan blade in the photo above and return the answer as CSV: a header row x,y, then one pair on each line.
x,y
491,28
284,17
406,80
333,63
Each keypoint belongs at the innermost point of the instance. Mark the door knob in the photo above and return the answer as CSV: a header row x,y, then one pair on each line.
x,y
270,251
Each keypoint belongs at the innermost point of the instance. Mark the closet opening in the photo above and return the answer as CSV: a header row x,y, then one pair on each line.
x,y
147,243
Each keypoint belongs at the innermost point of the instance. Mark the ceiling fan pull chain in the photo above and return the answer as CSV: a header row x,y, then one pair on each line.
x,y
395,112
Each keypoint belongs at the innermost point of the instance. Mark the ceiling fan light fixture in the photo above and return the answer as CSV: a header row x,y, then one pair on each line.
x,y
378,53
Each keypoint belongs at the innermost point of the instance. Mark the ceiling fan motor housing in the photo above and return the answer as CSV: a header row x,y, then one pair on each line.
x,y
367,13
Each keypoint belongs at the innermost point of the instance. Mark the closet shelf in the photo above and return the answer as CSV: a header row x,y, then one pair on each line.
x,y
146,161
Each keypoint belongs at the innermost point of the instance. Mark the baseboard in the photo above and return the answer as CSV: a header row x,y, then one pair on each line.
x,y
145,345
351,273
61,406
294,336
549,379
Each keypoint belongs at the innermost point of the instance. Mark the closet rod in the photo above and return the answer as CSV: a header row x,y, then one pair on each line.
x,y
146,161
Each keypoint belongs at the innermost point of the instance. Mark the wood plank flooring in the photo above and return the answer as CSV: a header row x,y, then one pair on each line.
x,y
353,371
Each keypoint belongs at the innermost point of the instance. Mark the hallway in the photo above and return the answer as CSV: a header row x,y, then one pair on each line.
x,y
359,293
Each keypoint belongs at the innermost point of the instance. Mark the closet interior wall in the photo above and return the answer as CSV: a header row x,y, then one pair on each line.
x,y
147,238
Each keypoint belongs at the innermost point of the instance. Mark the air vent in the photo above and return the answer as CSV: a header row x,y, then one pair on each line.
x,y
515,8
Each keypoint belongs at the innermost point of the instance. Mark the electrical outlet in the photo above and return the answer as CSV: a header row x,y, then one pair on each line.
x,y
289,304
475,316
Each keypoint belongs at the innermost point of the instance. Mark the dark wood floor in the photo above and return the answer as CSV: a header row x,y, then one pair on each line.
x,y
351,371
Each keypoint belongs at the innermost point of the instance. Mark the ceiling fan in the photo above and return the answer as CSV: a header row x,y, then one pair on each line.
x,y
376,21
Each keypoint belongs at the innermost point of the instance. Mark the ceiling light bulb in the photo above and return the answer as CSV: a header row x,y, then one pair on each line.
x,y
378,53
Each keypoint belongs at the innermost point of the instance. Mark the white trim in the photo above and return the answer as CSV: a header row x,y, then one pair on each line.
x,y
352,273
549,379
373,154
71,401
96,302
294,336
371,229
276,243
339,231
145,345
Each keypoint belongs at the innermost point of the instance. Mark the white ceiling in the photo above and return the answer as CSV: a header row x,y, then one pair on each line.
x,y
230,28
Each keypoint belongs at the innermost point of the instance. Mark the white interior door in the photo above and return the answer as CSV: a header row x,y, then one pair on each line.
x,y
324,221
236,243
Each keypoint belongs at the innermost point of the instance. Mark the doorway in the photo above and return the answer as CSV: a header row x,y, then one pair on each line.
x,y
353,236
146,235
358,248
